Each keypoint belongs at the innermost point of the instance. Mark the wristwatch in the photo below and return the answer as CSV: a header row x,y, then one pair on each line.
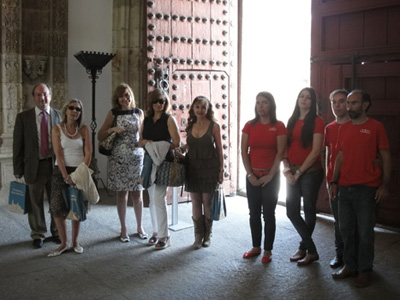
x,y
332,182
298,172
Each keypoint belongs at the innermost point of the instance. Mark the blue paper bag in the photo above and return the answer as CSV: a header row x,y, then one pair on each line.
x,y
74,201
18,199
218,206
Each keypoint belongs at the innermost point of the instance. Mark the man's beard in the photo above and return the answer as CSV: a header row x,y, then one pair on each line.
x,y
354,114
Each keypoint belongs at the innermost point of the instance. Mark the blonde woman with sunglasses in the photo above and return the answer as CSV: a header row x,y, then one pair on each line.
x,y
72,146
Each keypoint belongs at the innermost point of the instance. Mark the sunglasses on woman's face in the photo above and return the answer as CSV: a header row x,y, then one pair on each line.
x,y
78,109
159,101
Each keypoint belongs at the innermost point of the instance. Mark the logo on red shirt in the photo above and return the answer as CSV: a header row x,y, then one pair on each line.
x,y
365,131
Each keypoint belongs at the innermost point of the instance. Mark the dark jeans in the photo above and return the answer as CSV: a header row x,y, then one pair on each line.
x,y
338,237
263,199
307,186
357,214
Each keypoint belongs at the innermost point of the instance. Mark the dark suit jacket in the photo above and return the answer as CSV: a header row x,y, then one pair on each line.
x,y
25,143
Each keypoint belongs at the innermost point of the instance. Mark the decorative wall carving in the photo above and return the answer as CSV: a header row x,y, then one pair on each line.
x,y
34,67
33,49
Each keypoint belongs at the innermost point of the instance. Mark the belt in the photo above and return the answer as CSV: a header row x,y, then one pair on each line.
x,y
46,159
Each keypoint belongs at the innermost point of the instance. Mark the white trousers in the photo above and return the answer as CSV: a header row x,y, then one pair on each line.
x,y
152,207
158,209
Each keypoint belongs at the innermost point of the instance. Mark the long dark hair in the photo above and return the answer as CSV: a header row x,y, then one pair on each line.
x,y
307,132
192,117
272,112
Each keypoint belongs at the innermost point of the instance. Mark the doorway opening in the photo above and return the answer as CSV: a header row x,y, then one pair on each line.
x,y
276,44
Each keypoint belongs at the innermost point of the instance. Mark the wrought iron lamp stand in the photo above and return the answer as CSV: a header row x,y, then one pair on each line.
x,y
94,62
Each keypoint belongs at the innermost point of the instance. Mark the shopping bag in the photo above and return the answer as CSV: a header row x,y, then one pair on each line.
x,y
74,201
218,206
18,199
171,173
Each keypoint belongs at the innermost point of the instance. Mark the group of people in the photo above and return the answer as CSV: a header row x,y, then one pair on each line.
x,y
357,160
49,145
357,168
155,134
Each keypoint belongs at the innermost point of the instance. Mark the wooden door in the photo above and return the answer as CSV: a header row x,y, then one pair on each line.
x,y
190,49
357,45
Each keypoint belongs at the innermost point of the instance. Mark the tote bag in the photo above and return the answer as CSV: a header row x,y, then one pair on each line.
x,y
74,201
18,198
171,173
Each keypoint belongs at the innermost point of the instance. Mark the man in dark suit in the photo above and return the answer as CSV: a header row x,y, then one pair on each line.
x,y
33,158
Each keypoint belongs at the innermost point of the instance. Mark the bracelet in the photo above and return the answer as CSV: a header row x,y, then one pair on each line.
x,y
67,179
298,172
249,175
285,170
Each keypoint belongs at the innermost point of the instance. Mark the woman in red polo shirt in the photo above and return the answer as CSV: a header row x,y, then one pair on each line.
x,y
263,146
303,171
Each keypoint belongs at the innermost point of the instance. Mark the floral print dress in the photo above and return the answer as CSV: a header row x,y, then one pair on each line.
x,y
126,161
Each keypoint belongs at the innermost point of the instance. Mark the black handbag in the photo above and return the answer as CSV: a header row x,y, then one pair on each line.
x,y
106,145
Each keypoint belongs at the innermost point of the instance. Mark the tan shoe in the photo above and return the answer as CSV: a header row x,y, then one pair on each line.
x,y
308,259
344,273
299,254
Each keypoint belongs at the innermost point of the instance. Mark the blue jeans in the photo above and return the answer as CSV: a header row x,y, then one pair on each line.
x,y
307,186
357,214
338,237
263,199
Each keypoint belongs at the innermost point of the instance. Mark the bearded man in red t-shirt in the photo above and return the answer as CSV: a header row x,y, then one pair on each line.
x,y
362,184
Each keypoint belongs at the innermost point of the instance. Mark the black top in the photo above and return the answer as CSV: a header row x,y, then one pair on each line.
x,y
158,131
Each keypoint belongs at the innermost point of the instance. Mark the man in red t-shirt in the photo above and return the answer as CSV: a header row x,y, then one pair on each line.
x,y
362,184
338,105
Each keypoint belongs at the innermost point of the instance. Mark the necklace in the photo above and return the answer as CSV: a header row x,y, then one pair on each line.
x,y
70,135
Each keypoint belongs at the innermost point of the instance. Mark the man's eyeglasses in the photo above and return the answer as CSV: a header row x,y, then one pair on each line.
x,y
159,101
78,109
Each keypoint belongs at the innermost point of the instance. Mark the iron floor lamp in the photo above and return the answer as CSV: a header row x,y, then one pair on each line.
x,y
94,62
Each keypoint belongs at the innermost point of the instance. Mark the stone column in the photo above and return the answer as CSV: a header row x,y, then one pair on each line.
x,y
10,87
